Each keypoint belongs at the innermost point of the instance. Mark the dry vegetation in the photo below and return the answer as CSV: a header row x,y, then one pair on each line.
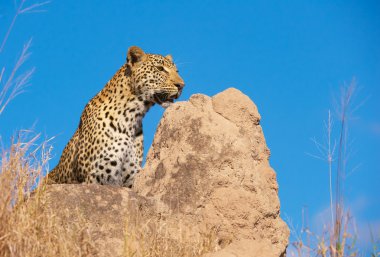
x,y
14,84
165,239
339,238
25,230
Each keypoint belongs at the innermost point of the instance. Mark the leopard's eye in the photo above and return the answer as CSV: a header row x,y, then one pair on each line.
x,y
160,68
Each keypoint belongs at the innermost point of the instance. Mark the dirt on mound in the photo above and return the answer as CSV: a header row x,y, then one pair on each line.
x,y
207,189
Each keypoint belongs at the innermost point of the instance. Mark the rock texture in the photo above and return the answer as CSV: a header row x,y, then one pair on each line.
x,y
101,211
209,165
207,175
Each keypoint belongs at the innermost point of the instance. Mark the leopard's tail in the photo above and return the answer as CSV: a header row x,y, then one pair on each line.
x,y
65,171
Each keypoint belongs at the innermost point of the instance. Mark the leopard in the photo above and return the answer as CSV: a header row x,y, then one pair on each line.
x,y
107,147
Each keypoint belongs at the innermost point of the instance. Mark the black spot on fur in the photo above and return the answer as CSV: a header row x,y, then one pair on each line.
x,y
126,178
112,126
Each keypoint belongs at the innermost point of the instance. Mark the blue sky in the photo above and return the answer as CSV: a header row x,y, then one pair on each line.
x,y
290,58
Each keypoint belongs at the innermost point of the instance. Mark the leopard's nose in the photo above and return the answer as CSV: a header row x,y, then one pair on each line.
x,y
179,85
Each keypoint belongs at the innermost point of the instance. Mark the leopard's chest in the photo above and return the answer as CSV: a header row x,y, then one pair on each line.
x,y
126,119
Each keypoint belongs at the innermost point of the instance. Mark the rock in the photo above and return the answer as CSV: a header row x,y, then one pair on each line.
x,y
102,211
246,248
207,189
209,166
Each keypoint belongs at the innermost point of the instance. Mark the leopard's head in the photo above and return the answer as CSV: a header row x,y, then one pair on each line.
x,y
153,76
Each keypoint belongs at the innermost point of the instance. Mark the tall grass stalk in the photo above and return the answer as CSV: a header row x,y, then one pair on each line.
x,y
14,84
330,154
21,9
326,153
344,114
336,241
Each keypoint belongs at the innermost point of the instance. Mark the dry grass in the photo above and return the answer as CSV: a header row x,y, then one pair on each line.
x,y
307,243
166,238
25,228
339,236
13,84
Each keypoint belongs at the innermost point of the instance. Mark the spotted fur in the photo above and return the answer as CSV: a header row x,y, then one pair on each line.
x,y
107,147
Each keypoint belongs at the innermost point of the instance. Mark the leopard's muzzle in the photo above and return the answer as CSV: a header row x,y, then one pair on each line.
x,y
166,98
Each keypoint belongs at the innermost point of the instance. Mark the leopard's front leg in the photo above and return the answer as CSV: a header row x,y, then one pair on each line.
x,y
133,162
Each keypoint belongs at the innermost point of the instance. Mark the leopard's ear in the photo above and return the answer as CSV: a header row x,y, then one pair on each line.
x,y
135,54
169,57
